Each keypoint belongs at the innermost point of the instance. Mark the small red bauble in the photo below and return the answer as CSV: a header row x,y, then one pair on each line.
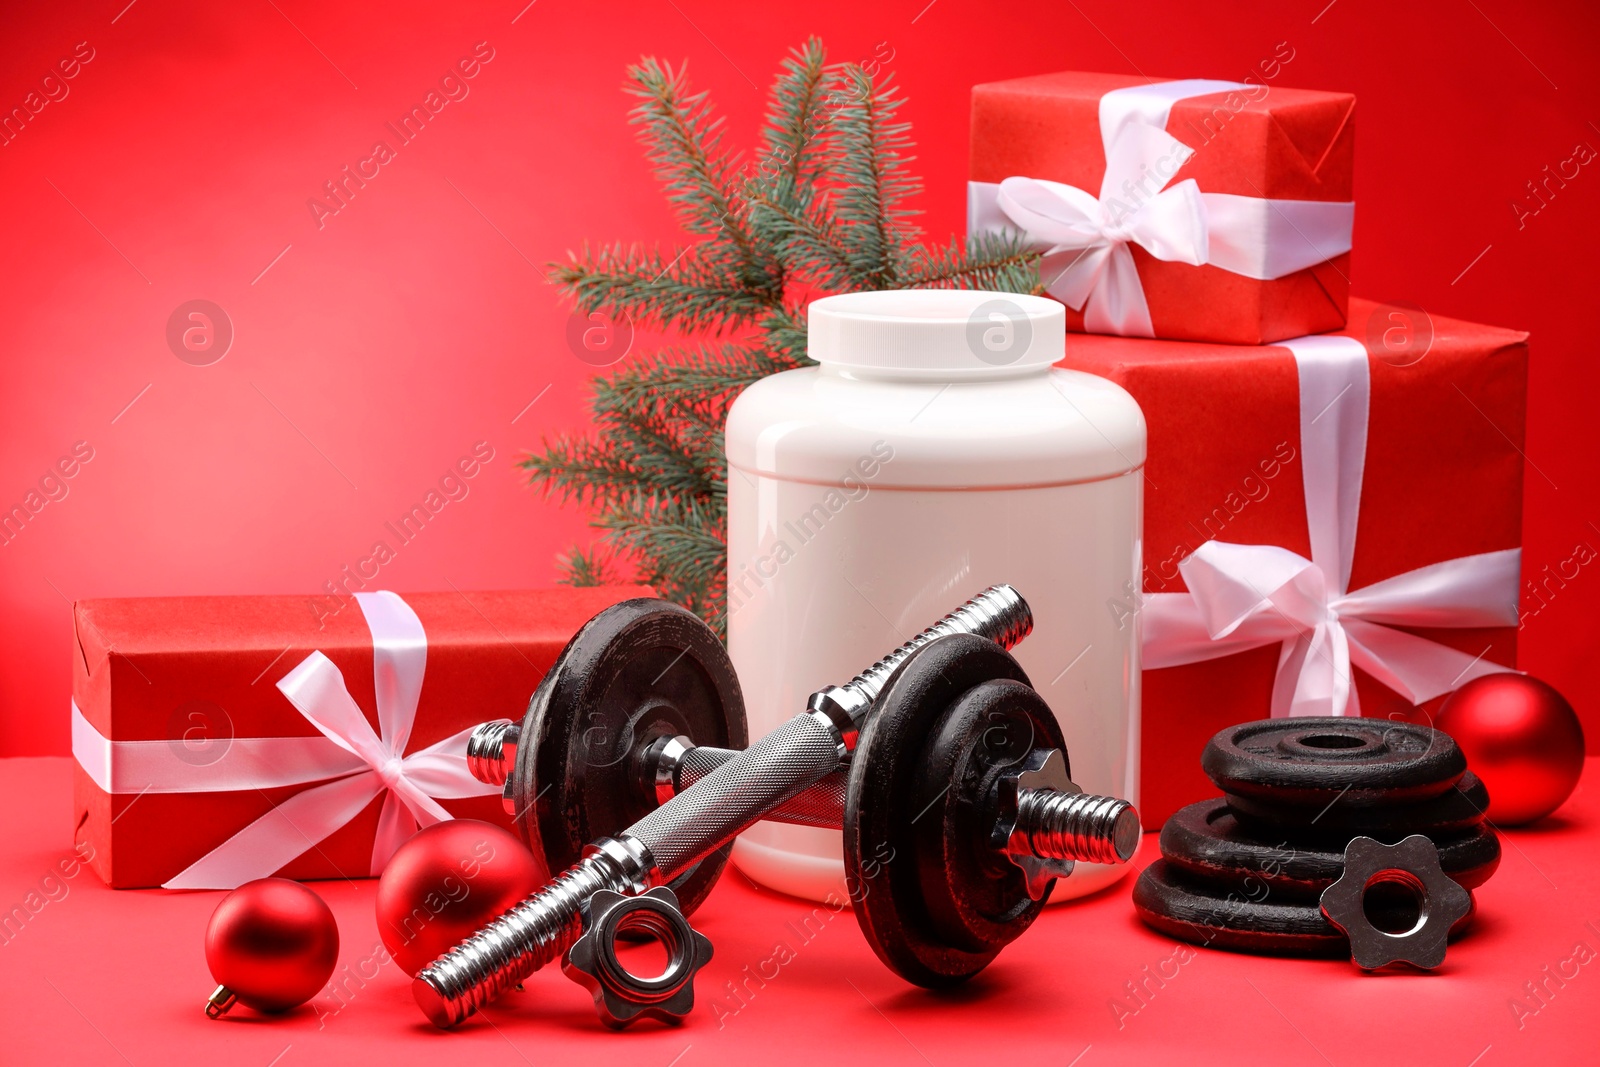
x,y
447,883
1522,738
271,945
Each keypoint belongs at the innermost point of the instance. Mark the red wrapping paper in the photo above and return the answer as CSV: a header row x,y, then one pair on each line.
x,y
192,671
1274,142
1443,479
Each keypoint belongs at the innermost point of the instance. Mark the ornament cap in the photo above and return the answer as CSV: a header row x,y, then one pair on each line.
x,y
218,1003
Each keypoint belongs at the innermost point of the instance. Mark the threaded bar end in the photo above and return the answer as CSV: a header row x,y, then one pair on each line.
x,y
524,939
489,755
1078,826
998,613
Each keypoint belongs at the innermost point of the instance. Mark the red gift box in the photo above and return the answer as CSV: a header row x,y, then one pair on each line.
x,y
176,703
1192,210
1429,520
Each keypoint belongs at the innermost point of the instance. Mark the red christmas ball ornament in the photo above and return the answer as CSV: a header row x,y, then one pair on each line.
x,y
271,945
446,883
1522,738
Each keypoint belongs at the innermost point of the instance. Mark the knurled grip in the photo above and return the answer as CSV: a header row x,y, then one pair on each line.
x,y
820,805
738,794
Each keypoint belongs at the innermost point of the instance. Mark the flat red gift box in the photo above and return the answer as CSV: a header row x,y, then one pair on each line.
x,y
193,672
1442,480
1262,140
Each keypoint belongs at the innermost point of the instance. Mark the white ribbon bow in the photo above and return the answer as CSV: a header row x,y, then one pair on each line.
x,y
1245,596
371,762
1085,239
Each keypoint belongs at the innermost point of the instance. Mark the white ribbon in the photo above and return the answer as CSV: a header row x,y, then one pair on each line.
x,y
362,762
1246,596
1087,263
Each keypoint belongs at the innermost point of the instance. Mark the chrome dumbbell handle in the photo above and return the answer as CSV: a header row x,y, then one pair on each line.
x,y
696,822
673,764
735,796
678,766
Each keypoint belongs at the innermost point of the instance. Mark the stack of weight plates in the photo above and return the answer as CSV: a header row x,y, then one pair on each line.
x,y
1244,871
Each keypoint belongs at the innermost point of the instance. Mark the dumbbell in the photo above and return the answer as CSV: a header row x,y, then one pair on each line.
x,y
642,703
596,766
656,766
669,765
959,814
596,682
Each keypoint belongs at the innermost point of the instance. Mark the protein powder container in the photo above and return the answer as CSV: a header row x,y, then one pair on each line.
x,y
933,452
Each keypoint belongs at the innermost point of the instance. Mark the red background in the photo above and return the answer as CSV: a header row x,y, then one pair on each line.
x,y
381,347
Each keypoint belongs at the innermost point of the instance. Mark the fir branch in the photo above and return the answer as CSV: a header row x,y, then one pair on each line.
x,y
580,470
689,290
793,115
637,448
999,261
592,566
668,454
826,207
684,142
785,331
810,243
872,185
683,543
704,380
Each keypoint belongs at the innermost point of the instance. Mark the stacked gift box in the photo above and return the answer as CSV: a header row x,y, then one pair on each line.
x,y
1333,488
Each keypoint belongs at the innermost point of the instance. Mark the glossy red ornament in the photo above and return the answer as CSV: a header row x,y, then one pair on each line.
x,y
446,883
271,945
1522,738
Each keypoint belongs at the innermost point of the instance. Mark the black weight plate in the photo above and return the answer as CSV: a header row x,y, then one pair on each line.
x,y
883,842
639,670
976,898
1216,917
1312,761
1457,809
1205,841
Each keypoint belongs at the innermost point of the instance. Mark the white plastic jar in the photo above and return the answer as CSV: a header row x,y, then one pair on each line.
x,y
934,452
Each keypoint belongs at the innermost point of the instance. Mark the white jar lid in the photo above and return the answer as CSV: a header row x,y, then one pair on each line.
x,y
936,331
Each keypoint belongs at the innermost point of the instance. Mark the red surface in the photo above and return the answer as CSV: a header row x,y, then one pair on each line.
x,y
204,670
96,975
1288,144
1225,461
415,322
